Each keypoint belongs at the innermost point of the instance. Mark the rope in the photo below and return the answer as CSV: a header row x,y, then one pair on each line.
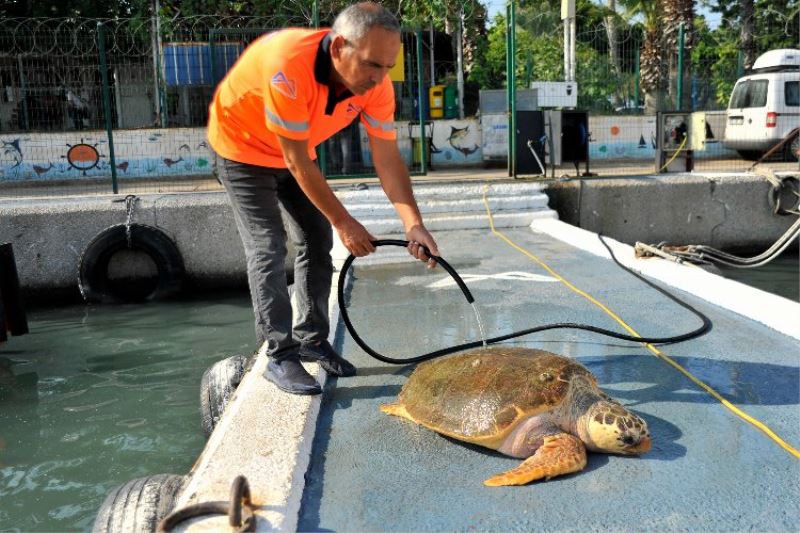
x,y
130,205
658,353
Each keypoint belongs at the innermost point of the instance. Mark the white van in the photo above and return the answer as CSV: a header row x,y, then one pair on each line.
x,y
765,106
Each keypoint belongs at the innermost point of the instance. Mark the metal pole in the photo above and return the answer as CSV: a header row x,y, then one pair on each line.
x,y
572,48
508,88
565,23
101,46
423,141
154,44
513,79
321,151
162,96
431,47
23,90
680,67
460,73
636,80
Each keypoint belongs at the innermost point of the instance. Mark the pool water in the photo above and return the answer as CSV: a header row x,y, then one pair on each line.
x,y
781,276
95,396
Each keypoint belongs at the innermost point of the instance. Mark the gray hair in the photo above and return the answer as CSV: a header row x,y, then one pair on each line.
x,y
358,19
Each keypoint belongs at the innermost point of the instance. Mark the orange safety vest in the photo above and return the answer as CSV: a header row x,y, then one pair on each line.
x,y
281,85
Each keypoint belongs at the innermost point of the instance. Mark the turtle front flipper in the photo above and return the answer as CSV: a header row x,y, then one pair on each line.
x,y
559,454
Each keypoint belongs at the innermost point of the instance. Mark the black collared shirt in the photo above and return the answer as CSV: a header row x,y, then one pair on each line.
x,y
323,73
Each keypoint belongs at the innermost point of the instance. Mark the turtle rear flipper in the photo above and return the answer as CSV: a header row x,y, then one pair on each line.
x,y
396,409
561,453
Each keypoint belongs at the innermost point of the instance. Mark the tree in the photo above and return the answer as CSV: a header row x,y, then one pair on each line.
x,y
651,58
610,22
677,14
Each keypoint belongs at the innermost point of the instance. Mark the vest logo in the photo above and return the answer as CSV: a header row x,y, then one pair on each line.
x,y
284,85
353,109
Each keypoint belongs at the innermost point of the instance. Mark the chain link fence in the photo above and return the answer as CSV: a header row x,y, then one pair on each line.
x,y
96,106
628,69
101,106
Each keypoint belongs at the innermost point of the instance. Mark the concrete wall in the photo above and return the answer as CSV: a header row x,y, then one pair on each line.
x,y
729,212
49,235
733,212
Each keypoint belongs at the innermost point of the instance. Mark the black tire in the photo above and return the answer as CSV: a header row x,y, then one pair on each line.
x,y
138,505
94,283
216,389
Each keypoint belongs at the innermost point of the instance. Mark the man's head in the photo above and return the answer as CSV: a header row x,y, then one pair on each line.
x,y
364,45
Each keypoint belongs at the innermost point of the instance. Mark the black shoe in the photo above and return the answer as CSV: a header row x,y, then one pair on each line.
x,y
324,354
289,375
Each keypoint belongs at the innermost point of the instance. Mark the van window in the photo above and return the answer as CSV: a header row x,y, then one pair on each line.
x,y
750,93
792,93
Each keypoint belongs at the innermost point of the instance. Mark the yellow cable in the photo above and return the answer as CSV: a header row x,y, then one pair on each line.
x,y
664,357
685,138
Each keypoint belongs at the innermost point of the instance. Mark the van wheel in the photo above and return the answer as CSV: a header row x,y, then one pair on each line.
x,y
750,155
793,149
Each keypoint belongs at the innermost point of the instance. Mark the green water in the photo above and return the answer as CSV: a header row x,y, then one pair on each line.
x,y
96,396
781,276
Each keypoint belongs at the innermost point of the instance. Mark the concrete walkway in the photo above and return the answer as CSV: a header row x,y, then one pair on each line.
x,y
708,471
336,463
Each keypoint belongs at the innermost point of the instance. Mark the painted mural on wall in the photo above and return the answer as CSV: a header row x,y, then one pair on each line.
x,y
79,155
456,142
453,143
184,151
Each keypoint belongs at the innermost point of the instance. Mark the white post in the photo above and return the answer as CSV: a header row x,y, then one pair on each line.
x,y
568,20
567,48
572,52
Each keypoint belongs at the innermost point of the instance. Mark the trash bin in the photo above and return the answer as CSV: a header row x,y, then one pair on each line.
x,y
437,101
451,101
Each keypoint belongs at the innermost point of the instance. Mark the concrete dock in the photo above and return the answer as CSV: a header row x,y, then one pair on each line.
x,y
336,463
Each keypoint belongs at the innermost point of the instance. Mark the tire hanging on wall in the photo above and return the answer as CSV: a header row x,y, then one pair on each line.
x,y
217,387
93,281
139,504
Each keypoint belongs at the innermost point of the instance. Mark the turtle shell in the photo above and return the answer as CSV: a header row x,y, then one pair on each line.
x,y
480,396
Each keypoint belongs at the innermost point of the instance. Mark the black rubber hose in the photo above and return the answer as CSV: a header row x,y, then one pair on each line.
x,y
704,328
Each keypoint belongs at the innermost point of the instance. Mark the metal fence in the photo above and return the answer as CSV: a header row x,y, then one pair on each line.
x,y
102,106
90,106
627,69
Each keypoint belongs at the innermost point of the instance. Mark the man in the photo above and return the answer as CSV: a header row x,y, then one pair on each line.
x,y
287,93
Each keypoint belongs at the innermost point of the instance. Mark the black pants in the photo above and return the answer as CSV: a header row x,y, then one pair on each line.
x,y
258,195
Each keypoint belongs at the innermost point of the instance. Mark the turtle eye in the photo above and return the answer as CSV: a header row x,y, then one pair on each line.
x,y
628,440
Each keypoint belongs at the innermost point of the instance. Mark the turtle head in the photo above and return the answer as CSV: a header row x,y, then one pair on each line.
x,y
610,428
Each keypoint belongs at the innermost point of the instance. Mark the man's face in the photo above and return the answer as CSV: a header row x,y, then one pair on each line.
x,y
363,65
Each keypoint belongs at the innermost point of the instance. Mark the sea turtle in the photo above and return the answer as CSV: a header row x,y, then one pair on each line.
x,y
522,402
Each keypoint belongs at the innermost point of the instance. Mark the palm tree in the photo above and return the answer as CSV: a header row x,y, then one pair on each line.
x,y
651,64
675,13
747,34
610,22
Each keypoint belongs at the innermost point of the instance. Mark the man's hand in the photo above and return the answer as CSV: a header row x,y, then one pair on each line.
x,y
416,236
355,237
